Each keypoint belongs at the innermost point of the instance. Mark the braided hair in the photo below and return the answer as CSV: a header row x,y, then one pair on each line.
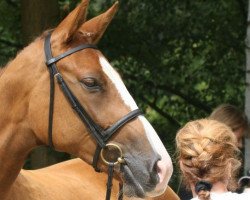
x,y
207,152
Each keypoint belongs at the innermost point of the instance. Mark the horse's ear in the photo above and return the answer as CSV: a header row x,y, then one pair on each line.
x,y
68,27
93,29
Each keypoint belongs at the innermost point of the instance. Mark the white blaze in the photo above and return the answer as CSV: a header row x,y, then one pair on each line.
x,y
165,164
117,81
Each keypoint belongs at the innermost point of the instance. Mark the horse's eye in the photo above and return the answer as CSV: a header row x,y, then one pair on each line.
x,y
90,84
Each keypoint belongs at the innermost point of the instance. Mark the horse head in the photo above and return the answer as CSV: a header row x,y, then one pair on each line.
x,y
101,92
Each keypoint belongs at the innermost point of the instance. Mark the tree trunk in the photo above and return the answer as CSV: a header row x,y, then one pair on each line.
x,y
37,16
247,92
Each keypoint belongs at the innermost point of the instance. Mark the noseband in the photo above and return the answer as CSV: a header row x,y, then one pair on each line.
x,y
101,135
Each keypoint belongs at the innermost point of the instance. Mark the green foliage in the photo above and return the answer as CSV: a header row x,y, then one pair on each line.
x,y
10,30
185,57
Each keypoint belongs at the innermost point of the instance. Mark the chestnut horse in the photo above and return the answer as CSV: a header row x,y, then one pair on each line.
x,y
73,179
28,108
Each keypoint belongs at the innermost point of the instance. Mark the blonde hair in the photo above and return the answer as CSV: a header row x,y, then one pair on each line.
x,y
231,116
207,151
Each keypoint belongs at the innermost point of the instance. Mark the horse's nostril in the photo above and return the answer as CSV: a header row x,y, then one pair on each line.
x,y
155,166
156,170
159,169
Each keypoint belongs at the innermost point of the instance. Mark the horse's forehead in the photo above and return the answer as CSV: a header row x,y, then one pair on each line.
x,y
86,61
89,58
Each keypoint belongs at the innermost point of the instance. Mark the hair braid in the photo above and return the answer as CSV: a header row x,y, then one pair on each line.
x,y
207,151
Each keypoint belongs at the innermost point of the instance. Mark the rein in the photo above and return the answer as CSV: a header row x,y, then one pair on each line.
x,y
101,135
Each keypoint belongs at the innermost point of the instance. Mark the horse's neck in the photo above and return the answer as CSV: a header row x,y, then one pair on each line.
x,y
16,137
1,71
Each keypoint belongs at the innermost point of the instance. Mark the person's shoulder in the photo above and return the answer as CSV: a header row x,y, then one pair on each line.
x,y
231,196
245,196
228,196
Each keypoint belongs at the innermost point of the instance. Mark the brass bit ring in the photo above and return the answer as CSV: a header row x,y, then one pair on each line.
x,y
120,159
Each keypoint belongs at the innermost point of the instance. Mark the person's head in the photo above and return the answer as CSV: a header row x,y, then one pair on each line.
x,y
207,152
234,118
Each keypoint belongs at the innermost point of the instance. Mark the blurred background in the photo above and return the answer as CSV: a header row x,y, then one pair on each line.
x,y
179,59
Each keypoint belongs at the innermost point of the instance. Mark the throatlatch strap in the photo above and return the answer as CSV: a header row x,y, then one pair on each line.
x,y
51,108
52,71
